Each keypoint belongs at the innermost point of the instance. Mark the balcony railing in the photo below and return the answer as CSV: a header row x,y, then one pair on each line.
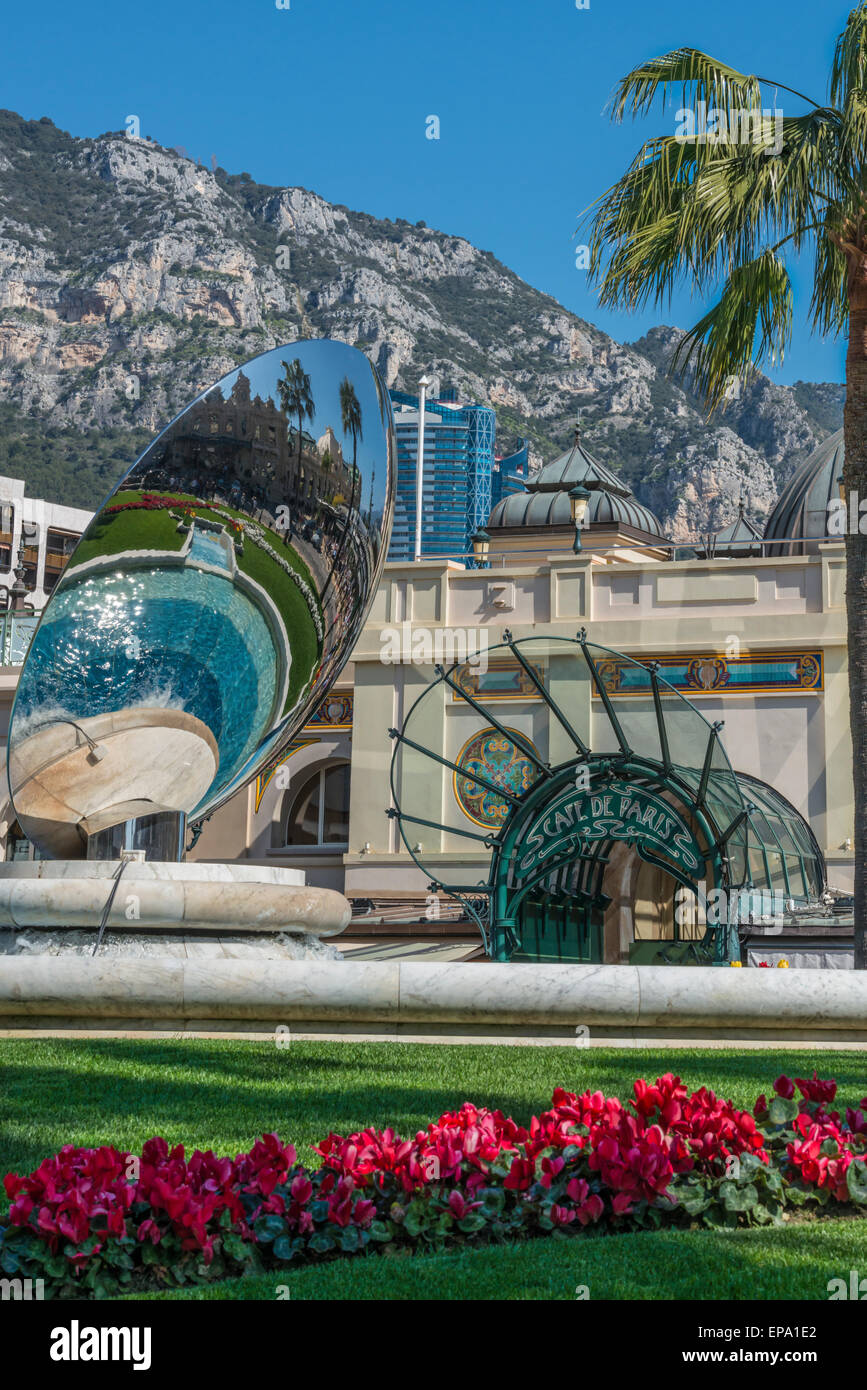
x,y
54,560
16,634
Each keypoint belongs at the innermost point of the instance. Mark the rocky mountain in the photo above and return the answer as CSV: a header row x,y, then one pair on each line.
x,y
132,276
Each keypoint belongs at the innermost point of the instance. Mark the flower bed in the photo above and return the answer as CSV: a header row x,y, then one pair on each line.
x,y
95,1222
150,502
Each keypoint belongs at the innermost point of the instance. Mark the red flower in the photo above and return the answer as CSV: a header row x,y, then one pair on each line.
x,y
459,1207
520,1175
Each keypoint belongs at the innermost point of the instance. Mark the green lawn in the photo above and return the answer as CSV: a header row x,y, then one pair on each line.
x,y
222,1095
138,530
794,1262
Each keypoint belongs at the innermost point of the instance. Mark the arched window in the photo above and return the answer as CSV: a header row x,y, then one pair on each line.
x,y
318,814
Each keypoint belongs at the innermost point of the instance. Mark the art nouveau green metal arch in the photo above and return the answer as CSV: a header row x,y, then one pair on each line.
x,y
646,775
697,775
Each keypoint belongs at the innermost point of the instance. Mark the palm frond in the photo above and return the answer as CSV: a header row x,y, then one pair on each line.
x,y
686,212
849,68
710,81
853,130
756,301
829,304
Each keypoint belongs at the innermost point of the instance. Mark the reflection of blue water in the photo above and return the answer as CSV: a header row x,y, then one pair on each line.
x,y
177,638
206,547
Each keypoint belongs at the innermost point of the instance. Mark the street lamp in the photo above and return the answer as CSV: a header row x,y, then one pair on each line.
x,y
579,499
481,543
423,384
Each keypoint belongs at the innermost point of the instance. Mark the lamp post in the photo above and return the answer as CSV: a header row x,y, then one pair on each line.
x,y
481,543
419,465
579,498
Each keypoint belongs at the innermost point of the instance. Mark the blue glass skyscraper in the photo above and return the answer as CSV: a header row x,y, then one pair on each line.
x,y
458,464
510,473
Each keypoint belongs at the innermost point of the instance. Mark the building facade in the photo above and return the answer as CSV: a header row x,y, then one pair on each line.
x,y
458,464
755,643
749,635
510,473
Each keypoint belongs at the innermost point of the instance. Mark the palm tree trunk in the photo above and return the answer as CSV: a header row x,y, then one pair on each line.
x,y
855,479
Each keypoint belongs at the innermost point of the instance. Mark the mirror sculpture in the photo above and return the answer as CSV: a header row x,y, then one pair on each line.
x,y
208,607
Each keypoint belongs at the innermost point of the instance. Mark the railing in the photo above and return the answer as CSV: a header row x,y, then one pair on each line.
x,y
16,634
785,547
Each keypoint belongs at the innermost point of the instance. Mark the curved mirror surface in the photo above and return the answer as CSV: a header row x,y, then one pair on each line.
x,y
211,602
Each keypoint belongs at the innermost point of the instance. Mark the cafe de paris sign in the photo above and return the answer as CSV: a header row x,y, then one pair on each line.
x,y
615,811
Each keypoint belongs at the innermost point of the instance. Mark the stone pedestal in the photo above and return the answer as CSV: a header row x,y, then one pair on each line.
x,y
47,899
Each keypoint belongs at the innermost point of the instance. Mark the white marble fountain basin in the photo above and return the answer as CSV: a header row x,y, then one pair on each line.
x,y
188,897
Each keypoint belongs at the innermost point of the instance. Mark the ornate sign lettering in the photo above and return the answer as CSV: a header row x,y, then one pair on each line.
x,y
615,811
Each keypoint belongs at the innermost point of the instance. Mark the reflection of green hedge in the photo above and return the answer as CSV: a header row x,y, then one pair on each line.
x,y
129,531
296,617
286,595
290,555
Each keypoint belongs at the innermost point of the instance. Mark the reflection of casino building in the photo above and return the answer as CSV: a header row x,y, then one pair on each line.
x,y
248,439
754,641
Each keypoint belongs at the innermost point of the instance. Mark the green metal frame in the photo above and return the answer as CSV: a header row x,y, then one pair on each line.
x,y
713,799
644,772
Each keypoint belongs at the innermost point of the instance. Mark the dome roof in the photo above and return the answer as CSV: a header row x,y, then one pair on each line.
x,y
545,502
740,537
576,467
554,509
802,510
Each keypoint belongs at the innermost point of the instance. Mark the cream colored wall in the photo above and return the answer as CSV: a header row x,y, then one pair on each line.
x,y
239,823
797,742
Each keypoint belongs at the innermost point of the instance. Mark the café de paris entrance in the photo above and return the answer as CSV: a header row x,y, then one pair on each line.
x,y
584,810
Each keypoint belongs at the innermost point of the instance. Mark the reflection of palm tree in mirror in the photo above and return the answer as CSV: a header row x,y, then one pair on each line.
x,y
350,411
296,399
350,414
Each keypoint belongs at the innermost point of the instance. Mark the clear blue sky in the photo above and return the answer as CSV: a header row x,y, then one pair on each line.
x,y
333,95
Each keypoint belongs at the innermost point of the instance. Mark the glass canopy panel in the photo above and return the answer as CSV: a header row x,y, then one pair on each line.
x,y
497,725
785,833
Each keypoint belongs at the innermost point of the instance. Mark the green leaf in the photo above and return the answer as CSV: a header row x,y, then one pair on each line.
x,y
690,1194
350,1239
472,1223
284,1248
782,1112
750,1164
493,1199
856,1181
267,1228
414,1224
738,1197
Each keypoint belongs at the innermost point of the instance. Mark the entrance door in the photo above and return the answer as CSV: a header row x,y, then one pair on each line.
x,y
559,929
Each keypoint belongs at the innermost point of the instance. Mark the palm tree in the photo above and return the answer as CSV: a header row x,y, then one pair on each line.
x,y
296,398
720,203
350,414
